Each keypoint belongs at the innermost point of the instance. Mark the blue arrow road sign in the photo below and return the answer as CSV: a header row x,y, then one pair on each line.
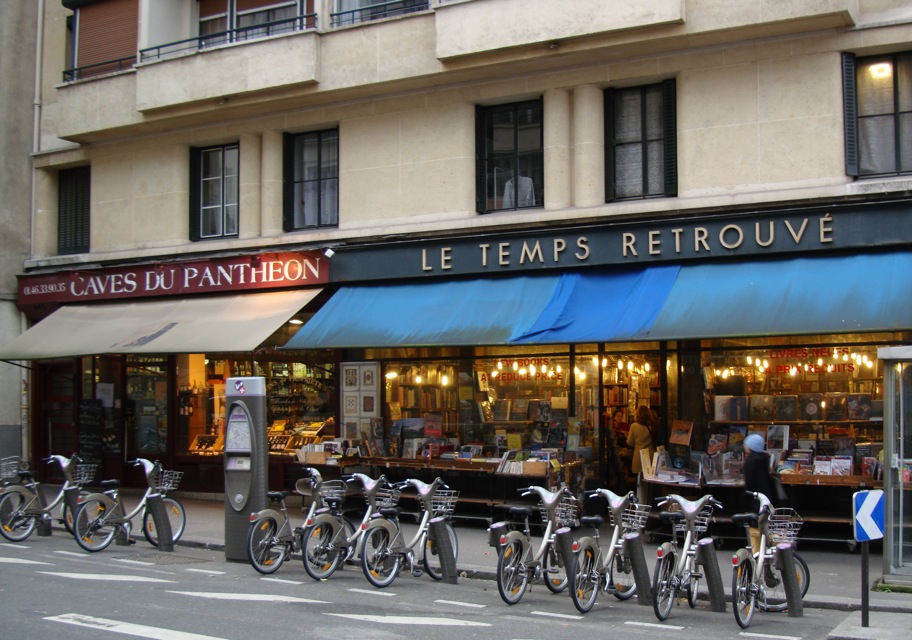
x,y
868,515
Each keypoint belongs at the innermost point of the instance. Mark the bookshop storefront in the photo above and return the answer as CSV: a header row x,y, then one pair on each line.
x,y
766,322
131,361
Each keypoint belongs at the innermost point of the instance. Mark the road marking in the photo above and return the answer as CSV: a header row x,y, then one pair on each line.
x,y
462,604
282,581
15,546
127,628
373,593
139,562
653,624
556,615
248,597
410,620
210,572
72,553
103,576
22,561
768,636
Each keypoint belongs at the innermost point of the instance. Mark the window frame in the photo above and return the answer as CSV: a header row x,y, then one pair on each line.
x,y
197,193
668,127
291,205
74,191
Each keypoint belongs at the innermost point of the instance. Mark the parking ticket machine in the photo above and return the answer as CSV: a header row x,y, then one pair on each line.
x,y
246,460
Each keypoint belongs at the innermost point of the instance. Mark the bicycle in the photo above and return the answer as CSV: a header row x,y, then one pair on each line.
x,y
754,585
329,538
382,546
517,563
612,572
675,568
23,506
101,515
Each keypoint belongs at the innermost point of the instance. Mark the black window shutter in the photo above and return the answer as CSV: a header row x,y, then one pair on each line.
x,y
196,177
609,144
850,113
480,161
288,160
73,201
670,125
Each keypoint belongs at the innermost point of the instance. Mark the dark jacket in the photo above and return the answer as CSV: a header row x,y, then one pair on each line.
x,y
757,478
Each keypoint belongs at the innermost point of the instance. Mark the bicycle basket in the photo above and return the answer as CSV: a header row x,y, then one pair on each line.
x,y
701,523
84,474
566,513
169,480
443,502
9,468
634,517
784,525
333,489
387,497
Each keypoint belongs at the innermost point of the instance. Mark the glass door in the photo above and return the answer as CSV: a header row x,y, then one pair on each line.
x,y
898,471
147,405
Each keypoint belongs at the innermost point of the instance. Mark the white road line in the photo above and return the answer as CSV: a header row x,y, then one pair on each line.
x,y
462,604
127,628
373,593
768,636
14,546
411,620
654,624
103,576
209,572
73,553
282,581
248,597
139,562
23,561
548,614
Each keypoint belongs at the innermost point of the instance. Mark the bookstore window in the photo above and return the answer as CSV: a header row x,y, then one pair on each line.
x,y
511,157
311,197
214,192
640,145
878,103
73,199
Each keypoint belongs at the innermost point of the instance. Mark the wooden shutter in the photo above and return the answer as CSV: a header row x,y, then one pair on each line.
x,y
610,95
850,113
196,195
670,125
107,31
288,160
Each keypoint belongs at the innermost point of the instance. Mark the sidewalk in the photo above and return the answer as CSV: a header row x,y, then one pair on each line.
x,y
835,573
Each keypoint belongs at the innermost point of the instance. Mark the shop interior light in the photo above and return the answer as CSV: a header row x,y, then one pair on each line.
x,y
295,321
500,364
559,369
391,374
595,361
522,371
630,365
417,379
444,380
604,362
881,70
646,367
515,366
494,373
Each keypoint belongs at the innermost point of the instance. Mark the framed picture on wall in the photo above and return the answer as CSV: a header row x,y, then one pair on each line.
x,y
350,406
350,377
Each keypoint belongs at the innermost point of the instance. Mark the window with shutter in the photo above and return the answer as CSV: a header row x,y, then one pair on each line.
x,y
73,197
214,192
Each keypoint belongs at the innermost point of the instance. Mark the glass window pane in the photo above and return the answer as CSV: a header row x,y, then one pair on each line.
x,y
655,169
311,159
231,161
211,192
231,220
231,190
905,141
330,155
875,87
876,146
212,163
211,222
628,121
298,206
655,129
628,170
329,214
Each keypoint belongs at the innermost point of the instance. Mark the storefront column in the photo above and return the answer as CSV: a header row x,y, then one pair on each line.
x,y
249,222
557,149
271,184
588,146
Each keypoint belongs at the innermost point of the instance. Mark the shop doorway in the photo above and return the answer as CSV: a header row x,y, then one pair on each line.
x,y
55,421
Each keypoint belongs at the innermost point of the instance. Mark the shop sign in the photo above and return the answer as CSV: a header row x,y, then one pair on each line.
x,y
224,275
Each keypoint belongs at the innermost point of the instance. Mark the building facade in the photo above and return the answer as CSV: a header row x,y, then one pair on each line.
x,y
522,220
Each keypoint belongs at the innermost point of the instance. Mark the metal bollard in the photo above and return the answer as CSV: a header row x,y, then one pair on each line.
x,y
785,562
563,544
162,524
706,558
633,549
44,526
446,553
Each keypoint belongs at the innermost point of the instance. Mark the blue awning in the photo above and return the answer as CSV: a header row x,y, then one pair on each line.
x,y
833,294
456,313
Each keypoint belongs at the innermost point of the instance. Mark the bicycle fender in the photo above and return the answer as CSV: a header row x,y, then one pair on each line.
x,y
514,535
321,518
586,540
102,497
740,556
25,492
266,513
666,548
380,522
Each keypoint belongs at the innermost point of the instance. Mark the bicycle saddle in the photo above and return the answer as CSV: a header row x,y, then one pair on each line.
x,y
592,521
277,495
744,519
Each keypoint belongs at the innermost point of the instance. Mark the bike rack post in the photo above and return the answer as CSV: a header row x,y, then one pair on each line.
x,y
438,532
706,558
633,549
156,507
785,562
44,526
563,543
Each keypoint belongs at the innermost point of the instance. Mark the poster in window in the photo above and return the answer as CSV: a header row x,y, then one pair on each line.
x,y
368,405
350,404
350,379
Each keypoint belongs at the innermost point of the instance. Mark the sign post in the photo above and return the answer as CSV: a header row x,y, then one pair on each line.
x,y
868,523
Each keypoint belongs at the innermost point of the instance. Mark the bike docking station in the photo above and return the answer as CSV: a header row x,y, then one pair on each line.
x,y
785,563
246,460
706,558
438,533
633,549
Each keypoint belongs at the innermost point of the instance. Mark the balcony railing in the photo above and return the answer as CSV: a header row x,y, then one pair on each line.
x,y
98,68
240,34
378,11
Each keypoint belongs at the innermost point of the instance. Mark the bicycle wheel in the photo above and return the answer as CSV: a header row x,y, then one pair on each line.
x,y
321,555
431,559
90,527
554,570
512,578
621,577
264,550
663,593
177,518
775,590
14,526
585,577
693,584
379,564
743,600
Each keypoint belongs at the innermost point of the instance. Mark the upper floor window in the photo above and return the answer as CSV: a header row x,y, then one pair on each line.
x,y
878,114
214,193
73,191
353,11
311,195
510,173
640,142
276,18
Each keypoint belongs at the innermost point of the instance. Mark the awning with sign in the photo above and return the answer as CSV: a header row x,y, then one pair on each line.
x,y
186,325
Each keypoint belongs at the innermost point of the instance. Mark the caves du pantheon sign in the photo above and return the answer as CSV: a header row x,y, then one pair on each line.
x,y
748,236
